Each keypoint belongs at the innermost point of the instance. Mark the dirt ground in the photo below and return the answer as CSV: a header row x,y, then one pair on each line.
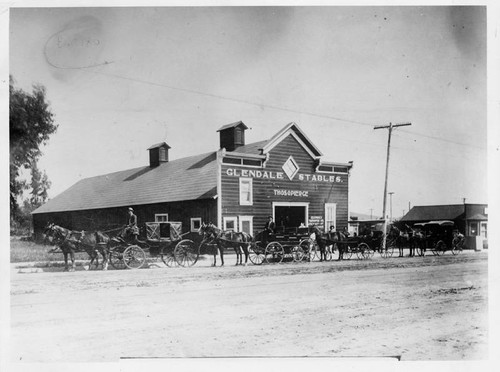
x,y
430,308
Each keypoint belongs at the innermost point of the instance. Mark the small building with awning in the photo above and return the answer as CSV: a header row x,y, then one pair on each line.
x,y
470,219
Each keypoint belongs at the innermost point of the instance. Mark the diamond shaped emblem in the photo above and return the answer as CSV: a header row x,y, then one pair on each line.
x,y
290,168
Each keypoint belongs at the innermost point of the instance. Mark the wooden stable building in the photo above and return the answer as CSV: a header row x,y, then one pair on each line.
x,y
236,187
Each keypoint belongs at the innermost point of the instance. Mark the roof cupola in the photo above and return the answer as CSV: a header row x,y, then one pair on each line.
x,y
158,154
232,135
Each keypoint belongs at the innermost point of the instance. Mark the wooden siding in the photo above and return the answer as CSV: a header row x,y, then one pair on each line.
x,y
112,218
319,192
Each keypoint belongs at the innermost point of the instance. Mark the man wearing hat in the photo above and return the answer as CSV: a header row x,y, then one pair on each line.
x,y
269,228
131,226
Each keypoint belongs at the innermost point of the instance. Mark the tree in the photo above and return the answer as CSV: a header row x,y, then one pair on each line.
x,y
31,123
39,186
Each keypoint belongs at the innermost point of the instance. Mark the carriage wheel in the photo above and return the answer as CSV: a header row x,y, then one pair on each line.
x,y
168,259
363,251
116,259
389,248
348,252
274,253
297,253
440,248
368,252
309,248
456,246
185,253
255,254
134,257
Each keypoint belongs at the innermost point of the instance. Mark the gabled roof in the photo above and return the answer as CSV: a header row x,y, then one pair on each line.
x,y
189,178
295,131
233,125
161,144
434,212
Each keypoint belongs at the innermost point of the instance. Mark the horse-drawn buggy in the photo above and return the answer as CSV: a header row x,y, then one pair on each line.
x,y
162,240
437,237
294,244
364,245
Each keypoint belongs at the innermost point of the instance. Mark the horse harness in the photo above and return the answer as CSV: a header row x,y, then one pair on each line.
x,y
61,238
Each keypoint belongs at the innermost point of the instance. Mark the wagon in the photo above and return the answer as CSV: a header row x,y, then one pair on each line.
x,y
361,246
163,240
439,237
293,244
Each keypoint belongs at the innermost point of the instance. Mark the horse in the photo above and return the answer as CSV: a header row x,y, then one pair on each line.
x,y
320,240
393,239
403,241
74,241
239,241
331,239
418,241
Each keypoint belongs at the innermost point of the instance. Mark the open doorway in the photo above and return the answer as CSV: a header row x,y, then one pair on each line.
x,y
290,215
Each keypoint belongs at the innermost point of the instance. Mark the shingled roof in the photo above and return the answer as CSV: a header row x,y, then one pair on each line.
x,y
434,212
188,178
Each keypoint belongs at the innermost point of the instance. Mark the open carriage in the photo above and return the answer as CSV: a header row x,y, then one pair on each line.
x,y
369,241
293,244
163,240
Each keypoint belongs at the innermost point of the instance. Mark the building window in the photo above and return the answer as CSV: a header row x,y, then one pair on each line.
x,y
257,163
473,229
484,230
195,224
330,216
246,197
161,217
231,161
230,224
246,224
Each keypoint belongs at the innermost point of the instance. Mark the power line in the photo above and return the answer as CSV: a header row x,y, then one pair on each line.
x,y
441,139
274,107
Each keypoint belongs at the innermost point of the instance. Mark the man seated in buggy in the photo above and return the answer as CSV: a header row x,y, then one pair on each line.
x,y
269,229
130,231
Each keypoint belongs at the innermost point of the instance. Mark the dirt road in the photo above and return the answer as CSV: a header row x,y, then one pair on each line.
x,y
431,308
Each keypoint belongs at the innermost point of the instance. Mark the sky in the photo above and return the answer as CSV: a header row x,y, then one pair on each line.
x,y
121,79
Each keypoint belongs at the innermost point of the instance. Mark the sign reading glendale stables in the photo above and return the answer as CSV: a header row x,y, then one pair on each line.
x,y
232,172
283,177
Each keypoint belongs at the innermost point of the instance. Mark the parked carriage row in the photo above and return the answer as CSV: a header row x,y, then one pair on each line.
x,y
302,244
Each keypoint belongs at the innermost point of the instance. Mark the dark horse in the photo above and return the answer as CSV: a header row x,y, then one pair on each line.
x,y
320,240
77,241
411,238
239,241
324,241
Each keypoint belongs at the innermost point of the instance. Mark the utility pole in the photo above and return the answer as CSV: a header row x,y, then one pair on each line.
x,y
371,213
465,217
390,127
390,197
